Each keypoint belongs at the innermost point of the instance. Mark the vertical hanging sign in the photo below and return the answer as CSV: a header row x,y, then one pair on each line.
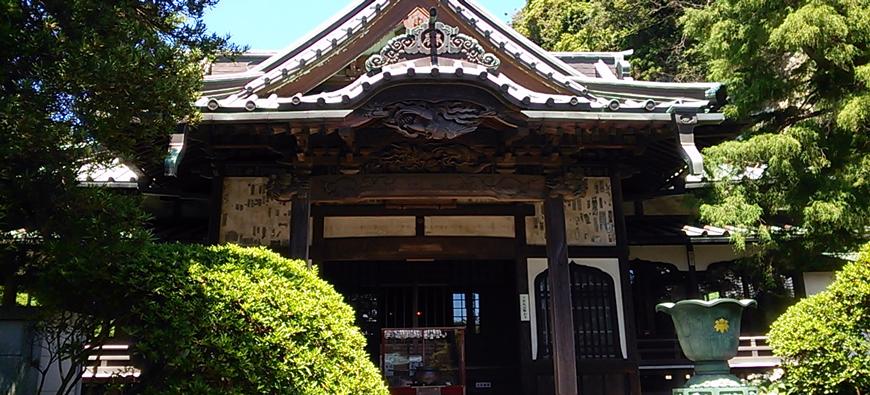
x,y
524,308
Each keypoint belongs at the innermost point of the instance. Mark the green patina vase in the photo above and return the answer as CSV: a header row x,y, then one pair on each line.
x,y
709,333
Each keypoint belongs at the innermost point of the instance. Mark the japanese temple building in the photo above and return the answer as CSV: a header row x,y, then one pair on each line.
x,y
442,171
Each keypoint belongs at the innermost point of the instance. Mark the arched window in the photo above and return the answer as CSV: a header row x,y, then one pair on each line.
x,y
596,329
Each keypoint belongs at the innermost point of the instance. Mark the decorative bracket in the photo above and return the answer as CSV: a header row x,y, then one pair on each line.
x,y
685,123
417,42
285,187
570,184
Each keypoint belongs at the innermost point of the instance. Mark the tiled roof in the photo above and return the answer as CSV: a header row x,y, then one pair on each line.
x,y
606,78
114,175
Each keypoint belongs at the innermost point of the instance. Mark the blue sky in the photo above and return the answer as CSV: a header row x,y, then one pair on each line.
x,y
275,24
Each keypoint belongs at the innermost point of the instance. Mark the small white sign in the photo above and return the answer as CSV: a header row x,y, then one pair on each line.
x,y
524,308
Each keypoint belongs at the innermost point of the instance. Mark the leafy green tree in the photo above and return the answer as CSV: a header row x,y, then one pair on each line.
x,y
84,82
233,320
798,76
650,27
824,340
799,90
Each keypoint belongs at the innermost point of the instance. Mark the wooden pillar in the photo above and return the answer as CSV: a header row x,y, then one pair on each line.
x,y
300,214
561,317
694,291
527,378
215,203
628,307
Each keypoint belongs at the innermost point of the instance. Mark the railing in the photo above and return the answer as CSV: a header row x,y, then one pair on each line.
x,y
752,352
110,362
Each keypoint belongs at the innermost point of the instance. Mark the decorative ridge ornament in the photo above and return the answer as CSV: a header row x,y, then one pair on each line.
x,y
417,43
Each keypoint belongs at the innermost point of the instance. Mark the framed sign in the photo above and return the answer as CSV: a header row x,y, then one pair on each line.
x,y
423,360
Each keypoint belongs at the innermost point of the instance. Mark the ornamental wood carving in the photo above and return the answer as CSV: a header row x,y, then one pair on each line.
x,y
432,157
570,184
431,120
417,42
284,187
505,187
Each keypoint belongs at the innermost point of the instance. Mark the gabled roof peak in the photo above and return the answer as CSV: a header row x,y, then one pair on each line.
x,y
369,17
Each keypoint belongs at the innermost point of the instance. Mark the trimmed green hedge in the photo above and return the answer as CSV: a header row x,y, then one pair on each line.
x,y
824,340
233,320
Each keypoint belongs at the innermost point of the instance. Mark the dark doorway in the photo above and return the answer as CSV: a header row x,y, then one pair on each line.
x,y
477,295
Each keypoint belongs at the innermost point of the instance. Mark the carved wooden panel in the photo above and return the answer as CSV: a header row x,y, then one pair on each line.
x,y
489,226
342,227
250,217
589,219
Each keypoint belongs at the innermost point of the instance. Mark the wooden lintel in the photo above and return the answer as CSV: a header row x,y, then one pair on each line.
x,y
498,187
393,248
522,210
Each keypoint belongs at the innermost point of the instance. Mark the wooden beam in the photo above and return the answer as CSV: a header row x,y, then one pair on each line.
x,y
410,247
300,212
561,309
504,187
377,210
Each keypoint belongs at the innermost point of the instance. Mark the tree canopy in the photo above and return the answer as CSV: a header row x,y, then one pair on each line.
x,y
233,320
824,340
85,82
798,83
649,27
798,76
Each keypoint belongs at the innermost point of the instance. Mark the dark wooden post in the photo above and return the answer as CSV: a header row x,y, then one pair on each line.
x,y
622,246
694,291
300,214
215,209
527,378
559,278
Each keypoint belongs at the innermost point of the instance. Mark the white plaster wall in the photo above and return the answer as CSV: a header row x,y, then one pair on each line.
x,y
607,265
54,372
675,255
486,226
338,227
815,282
705,255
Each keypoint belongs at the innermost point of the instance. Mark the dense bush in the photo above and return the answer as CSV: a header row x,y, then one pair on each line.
x,y
233,320
824,340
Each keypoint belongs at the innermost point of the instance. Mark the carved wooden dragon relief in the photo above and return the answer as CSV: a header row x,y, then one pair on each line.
x,y
431,120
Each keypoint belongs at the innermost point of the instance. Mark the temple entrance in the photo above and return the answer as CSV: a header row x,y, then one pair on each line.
x,y
475,295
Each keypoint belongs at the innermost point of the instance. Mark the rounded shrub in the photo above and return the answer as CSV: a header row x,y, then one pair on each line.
x,y
824,340
233,320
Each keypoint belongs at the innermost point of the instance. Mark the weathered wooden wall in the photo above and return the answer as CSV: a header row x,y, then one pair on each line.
x,y
589,219
250,217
